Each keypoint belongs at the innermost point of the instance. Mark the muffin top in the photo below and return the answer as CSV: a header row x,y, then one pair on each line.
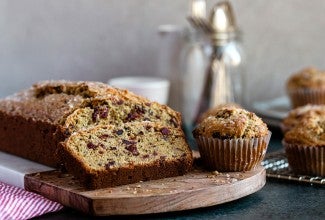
x,y
307,78
213,110
309,131
229,122
297,114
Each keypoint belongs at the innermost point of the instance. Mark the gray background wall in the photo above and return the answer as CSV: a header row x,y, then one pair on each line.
x,y
100,39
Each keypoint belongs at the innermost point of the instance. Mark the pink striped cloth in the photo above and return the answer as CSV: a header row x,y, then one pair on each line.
x,y
16,203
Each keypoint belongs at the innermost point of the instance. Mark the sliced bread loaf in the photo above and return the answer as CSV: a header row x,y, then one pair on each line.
x,y
33,123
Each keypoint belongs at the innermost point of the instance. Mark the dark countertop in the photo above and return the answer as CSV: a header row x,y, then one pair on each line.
x,y
277,199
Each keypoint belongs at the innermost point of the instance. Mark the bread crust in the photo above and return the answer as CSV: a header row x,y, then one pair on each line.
x,y
29,139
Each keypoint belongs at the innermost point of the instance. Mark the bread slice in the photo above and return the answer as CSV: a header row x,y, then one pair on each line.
x,y
111,155
107,110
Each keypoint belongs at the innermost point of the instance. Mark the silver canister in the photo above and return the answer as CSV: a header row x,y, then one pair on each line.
x,y
224,76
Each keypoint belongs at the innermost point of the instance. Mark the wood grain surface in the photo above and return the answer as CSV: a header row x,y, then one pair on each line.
x,y
196,189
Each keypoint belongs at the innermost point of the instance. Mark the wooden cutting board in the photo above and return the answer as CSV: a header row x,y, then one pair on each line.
x,y
196,189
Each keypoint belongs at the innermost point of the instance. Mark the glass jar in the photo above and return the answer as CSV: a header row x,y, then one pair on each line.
x,y
194,60
193,65
172,40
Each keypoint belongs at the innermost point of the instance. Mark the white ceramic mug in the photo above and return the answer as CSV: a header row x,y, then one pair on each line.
x,y
153,88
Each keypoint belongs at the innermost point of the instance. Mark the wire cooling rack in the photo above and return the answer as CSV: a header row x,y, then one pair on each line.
x,y
276,166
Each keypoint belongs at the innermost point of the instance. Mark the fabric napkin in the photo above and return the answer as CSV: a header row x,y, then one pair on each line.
x,y
17,203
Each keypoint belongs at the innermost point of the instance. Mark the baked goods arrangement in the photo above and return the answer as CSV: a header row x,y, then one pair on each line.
x,y
306,87
232,139
104,136
107,136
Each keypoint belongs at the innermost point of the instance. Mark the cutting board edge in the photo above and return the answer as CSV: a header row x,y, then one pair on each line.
x,y
260,176
99,206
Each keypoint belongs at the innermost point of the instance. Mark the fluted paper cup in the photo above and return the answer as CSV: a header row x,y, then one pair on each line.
x,y
307,160
300,97
232,155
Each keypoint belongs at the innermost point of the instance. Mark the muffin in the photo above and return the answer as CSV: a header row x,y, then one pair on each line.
x,y
297,114
305,145
306,87
232,139
212,110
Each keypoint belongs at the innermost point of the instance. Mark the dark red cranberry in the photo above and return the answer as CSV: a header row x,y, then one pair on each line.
x,y
145,156
91,146
165,131
95,114
103,112
127,142
104,136
132,116
120,102
119,132
133,149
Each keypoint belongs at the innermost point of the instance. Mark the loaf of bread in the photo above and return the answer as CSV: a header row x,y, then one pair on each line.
x,y
43,122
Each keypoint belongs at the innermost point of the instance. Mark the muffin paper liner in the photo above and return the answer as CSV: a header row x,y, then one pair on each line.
x,y
300,97
232,155
308,160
